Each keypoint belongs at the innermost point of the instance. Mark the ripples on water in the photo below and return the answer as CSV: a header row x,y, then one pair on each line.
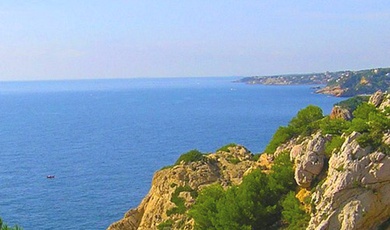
x,y
103,139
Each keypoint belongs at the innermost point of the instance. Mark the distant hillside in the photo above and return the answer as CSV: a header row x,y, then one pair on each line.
x,y
359,82
341,83
293,79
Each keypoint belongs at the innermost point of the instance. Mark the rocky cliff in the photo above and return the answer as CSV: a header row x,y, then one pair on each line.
x,y
184,180
346,187
356,191
351,83
340,84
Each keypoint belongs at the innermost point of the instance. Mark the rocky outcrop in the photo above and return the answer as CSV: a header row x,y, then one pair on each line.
x,y
340,113
224,167
385,102
309,159
356,191
355,194
376,99
332,90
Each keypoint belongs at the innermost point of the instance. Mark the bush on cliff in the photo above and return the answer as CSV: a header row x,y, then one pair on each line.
x,y
333,126
305,123
191,156
226,147
372,124
254,204
293,214
352,103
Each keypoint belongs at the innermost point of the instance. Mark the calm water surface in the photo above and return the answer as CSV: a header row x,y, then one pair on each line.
x,y
104,139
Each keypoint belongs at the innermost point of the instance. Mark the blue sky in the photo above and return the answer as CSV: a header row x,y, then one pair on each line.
x,y
88,39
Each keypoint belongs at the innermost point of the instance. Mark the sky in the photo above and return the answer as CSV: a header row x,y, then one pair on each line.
x,y
89,39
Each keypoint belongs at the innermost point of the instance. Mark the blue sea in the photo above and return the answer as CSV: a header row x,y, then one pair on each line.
x,y
104,139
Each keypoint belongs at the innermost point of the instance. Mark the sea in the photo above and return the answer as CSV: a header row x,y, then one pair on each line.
x,y
102,140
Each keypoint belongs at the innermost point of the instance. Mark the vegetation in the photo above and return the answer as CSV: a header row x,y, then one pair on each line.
x,y
303,124
267,201
165,225
233,160
362,82
367,120
4,226
372,124
179,201
352,82
256,157
352,103
254,204
191,156
294,79
293,213
333,126
334,144
226,147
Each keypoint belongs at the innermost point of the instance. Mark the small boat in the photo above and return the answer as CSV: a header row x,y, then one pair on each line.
x,y
50,176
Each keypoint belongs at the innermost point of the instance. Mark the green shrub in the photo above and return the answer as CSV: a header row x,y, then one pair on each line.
x,y
334,126
293,213
359,125
165,225
254,204
167,167
305,123
6,227
191,156
226,147
281,135
179,201
205,211
352,103
256,157
363,111
233,160
334,144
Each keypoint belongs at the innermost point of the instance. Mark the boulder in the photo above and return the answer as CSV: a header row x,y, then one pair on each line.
x,y
340,113
377,98
309,160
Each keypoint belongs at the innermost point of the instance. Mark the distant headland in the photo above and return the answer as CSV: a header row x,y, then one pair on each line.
x,y
341,83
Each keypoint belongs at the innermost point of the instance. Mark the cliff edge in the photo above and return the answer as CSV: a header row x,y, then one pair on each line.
x,y
174,189
341,169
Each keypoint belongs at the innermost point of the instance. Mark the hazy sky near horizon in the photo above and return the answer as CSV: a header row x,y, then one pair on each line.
x,y
87,39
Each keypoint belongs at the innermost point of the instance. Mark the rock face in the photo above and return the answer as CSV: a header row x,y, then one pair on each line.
x,y
376,99
223,167
332,90
340,113
309,159
355,194
356,191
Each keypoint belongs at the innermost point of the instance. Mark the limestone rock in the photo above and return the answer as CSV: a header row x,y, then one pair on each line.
x,y
309,160
340,113
216,168
332,90
385,102
377,98
356,191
